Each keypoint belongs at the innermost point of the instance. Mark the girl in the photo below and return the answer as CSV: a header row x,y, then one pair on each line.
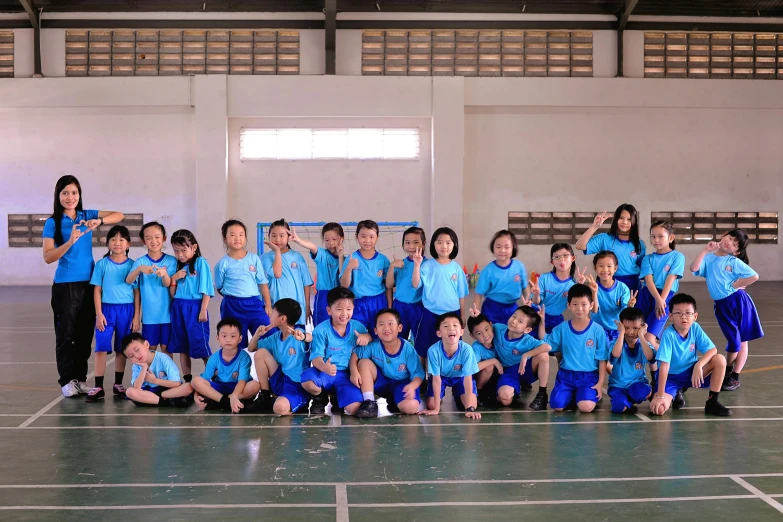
x,y
622,239
443,284
364,273
407,300
503,281
114,309
327,261
191,287
240,279
286,270
661,273
613,295
152,274
551,289
725,267
72,297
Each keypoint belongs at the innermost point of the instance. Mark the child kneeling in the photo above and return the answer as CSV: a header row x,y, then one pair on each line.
x,y
628,380
155,379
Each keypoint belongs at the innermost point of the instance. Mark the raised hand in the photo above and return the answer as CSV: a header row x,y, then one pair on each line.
x,y
599,219
590,281
92,224
292,236
340,248
160,271
620,328
76,233
272,246
397,263
353,264
362,339
579,277
712,246
632,300
542,312
299,335
474,310
263,329
534,288
417,257
147,270
643,332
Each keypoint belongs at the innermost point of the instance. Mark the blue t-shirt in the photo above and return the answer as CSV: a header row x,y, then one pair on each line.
x,y
628,258
240,277
369,278
329,345
162,367
680,352
461,364
403,290
510,351
660,266
402,366
110,276
77,263
721,272
443,286
296,276
327,267
155,298
502,284
289,353
194,286
233,371
554,292
628,369
581,350
482,353
611,301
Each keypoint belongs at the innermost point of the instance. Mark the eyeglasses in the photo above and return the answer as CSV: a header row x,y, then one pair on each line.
x,y
683,314
562,257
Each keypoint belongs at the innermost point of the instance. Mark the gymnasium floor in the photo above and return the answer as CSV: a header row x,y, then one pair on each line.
x,y
61,459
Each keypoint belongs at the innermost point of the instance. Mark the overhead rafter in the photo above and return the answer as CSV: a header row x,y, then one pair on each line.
x,y
630,5
35,22
32,12
330,37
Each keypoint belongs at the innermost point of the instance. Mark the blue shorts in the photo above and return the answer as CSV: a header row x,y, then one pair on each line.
x,y
550,322
646,303
497,312
188,335
738,320
426,335
250,313
156,334
283,386
611,337
410,315
682,381
391,390
624,398
319,313
365,309
512,377
347,392
223,388
631,281
572,387
457,385
119,318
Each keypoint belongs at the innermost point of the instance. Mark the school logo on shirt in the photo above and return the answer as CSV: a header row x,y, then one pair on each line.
x,y
291,351
639,365
515,352
633,254
453,277
517,278
380,273
666,268
693,347
728,268
294,266
565,295
457,367
618,303
161,375
252,268
590,343
235,375
402,367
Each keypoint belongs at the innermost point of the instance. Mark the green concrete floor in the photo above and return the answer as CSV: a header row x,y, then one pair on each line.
x,y
62,459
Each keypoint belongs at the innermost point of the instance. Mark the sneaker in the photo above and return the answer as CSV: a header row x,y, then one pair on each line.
x,y
95,394
678,401
176,402
318,404
367,410
633,410
539,402
83,387
264,402
70,389
525,386
717,409
119,390
730,383
516,402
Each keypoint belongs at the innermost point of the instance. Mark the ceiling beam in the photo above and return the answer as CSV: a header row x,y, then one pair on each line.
x,y
630,5
32,12
35,21
330,37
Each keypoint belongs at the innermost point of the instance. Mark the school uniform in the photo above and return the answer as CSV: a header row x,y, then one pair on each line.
x,y
395,371
116,302
368,284
155,299
237,280
295,277
682,355
578,373
611,301
501,286
224,375
162,367
629,259
443,286
660,266
628,380
188,334
327,267
554,297
509,353
451,369
407,300
290,355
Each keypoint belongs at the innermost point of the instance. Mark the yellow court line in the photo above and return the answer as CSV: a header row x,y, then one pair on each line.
x,y
764,369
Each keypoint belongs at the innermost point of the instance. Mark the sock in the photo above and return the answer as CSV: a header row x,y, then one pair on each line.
x,y
713,396
187,377
734,375
118,376
99,381
368,396
225,402
542,389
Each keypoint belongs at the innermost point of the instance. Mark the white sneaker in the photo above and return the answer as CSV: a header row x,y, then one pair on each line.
x,y
70,389
83,388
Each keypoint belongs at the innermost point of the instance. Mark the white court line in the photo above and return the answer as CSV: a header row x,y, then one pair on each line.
x,y
643,417
736,407
341,499
335,421
760,494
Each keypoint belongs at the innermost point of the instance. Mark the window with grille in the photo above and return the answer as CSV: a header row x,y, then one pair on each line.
x,y
125,52
477,53
6,54
24,230
703,227
713,55
547,228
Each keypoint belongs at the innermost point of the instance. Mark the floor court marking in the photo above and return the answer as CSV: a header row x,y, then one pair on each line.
x,y
335,421
764,369
341,501
643,417
760,494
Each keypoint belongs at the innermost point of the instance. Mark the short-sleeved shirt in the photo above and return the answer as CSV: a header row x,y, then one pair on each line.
x,y
77,263
503,284
233,371
162,367
291,284
328,344
461,364
194,286
510,351
721,272
482,353
444,286
240,277
155,298
581,349
403,290
110,276
660,266
289,353
369,278
554,292
327,267
401,366
611,301
629,259
628,369
681,352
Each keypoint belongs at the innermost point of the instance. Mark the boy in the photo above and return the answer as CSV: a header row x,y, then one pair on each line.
x,y
483,331
582,342
155,377
451,363
280,360
680,366
330,352
226,380
628,380
388,366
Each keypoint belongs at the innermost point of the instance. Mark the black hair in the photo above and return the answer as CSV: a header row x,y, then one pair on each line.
x,y
290,308
742,244
449,315
122,231
415,230
580,290
391,311
533,319
337,293
131,337
231,323
669,229
563,246
631,314
680,299
231,223
473,322
368,224
151,224
333,227
183,237
508,234
279,223
633,234
447,232
59,210
602,254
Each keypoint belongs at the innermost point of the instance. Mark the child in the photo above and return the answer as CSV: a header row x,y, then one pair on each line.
x,y
502,281
551,289
191,287
483,331
364,273
582,342
444,286
327,265
680,366
155,377
330,352
631,351
622,239
226,381
286,270
613,295
280,360
725,267
240,279
152,273
114,309
407,300
451,364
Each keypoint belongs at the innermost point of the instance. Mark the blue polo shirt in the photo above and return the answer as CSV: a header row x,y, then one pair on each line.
x,y
77,263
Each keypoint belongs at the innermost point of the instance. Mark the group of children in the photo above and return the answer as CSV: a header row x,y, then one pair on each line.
x,y
394,329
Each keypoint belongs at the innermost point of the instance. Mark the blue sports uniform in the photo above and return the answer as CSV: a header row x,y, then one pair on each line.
x,y
509,353
155,299
395,371
295,277
237,280
681,354
407,300
554,297
443,287
116,302
76,264
224,375
188,335
501,286
611,301
660,266
578,373
291,357
452,370
628,380
629,259
327,268
162,367
368,283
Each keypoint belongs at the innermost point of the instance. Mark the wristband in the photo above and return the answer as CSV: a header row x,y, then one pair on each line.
x,y
101,219
470,409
